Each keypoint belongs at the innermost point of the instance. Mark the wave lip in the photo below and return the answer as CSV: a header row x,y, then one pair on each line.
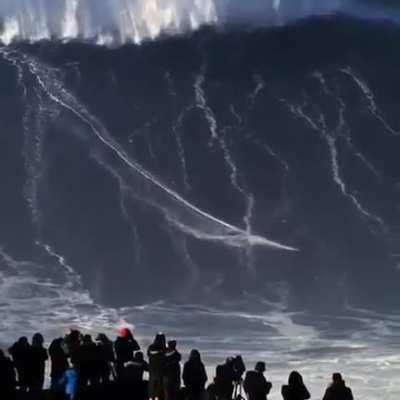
x,y
110,22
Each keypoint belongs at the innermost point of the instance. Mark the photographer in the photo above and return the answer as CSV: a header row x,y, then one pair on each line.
x,y
228,375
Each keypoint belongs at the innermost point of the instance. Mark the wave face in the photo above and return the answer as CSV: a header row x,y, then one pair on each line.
x,y
250,175
114,22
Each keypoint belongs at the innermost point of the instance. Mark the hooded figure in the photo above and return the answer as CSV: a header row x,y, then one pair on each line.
x,y
106,356
295,389
156,353
194,376
38,360
125,347
59,361
21,354
87,362
8,381
172,372
255,384
338,389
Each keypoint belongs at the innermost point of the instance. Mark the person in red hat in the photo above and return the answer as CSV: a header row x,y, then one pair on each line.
x,y
125,347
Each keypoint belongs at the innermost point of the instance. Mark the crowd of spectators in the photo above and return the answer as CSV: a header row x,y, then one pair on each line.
x,y
82,368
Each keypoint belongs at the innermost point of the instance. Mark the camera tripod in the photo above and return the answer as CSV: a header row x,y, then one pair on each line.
x,y
238,391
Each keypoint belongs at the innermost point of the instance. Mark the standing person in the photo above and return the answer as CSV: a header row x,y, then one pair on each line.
x,y
38,360
8,379
338,389
86,359
69,383
172,372
295,389
255,385
132,381
21,353
225,378
58,361
125,347
156,353
194,376
106,357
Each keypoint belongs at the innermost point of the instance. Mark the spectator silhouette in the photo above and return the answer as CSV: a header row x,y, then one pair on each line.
x,y
72,343
106,357
86,358
132,381
156,353
194,376
255,384
8,380
20,352
172,372
338,389
295,389
59,361
38,360
69,383
125,347
225,378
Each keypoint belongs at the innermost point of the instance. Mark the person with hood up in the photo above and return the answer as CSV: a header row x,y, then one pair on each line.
x,y
338,389
59,361
87,362
255,385
156,353
194,376
38,359
125,347
21,354
172,372
295,389
105,351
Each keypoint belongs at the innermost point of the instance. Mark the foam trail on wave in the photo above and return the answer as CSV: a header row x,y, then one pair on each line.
x,y
208,226
370,99
342,128
202,104
320,127
176,128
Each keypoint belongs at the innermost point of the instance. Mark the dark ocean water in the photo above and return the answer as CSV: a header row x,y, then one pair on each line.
x,y
239,190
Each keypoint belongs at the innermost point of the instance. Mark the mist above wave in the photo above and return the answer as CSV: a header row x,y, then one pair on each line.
x,y
114,22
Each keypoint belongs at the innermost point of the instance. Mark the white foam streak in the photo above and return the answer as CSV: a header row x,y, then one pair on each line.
x,y
321,128
342,128
370,99
201,102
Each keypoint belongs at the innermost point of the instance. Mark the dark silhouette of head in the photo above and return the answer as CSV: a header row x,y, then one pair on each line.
x,y
160,341
102,338
260,367
87,339
37,340
2,355
172,344
295,379
138,356
337,378
23,340
195,356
